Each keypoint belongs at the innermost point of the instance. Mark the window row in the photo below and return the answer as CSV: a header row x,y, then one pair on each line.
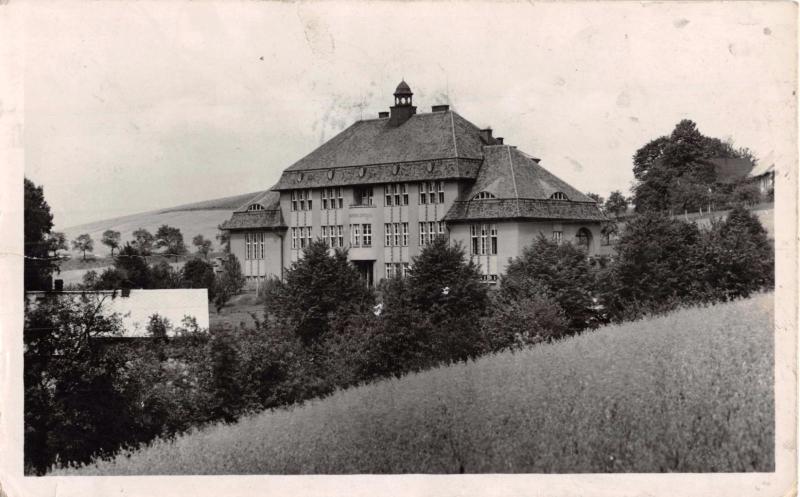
x,y
333,235
484,239
301,237
396,234
301,200
430,192
397,269
254,245
332,198
429,230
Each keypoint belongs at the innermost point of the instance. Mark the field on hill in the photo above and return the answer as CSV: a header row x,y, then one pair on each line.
x,y
200,218
687,392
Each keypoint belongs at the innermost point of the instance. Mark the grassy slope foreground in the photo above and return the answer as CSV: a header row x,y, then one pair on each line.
x,y
692,391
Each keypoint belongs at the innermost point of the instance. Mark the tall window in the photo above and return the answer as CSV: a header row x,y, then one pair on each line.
x,y
301,200
396,194
431,192
484,239
361,235
294,238
397,269
332,235
584,238
332,198
388,229
304,235
247,246
557,236
363,195
429,230
405,234
366,235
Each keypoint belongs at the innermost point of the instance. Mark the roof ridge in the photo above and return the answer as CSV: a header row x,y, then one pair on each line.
x,y
513,177
453,130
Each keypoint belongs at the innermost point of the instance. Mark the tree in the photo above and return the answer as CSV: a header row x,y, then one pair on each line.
x,y
560,271
198,273
658,266
738,258
158,326
171,240
446,288
203,245
143,242
673,173
597,199
224,239
111,239
83,243
616,204
229,283
163,275
74,408
320,291
131,268
38,221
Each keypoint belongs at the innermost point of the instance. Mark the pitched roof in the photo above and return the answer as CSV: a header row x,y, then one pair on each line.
x,y
435,135
731,170
269,218
520,208
509,173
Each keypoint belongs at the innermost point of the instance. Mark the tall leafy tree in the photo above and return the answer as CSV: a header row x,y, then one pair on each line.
x,y
143,241
320,291
111,239
617,203
224,239
559,270
203,245
672,172
83,243
230,282
171,240
38,222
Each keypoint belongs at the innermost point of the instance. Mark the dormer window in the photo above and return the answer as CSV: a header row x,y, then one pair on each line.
x,y
483,196
558,196
255,207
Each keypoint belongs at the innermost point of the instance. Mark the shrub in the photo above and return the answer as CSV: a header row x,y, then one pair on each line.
x,y
738,257
559,271
197,273
163,275
657,263
518,322
319,293
229,283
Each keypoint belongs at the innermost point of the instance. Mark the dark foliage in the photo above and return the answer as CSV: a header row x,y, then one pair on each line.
x,y
320,291
198,273
37,224
560,271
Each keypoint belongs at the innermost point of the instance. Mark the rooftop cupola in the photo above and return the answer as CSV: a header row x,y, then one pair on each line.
x,y
402,109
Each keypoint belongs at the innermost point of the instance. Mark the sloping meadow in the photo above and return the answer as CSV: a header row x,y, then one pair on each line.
x,y
687,392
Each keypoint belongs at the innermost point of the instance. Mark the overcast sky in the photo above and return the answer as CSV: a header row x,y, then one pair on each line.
x,y
135,106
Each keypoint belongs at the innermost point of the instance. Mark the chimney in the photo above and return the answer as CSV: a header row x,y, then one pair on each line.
x,y
440,108
499,140
486,136
383,114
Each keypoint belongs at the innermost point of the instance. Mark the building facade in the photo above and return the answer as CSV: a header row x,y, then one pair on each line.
x,y
384,188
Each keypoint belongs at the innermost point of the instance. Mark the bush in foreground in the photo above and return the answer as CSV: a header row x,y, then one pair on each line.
x,y
687,392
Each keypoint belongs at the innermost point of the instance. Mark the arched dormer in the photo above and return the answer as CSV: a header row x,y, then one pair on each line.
x,y
255,207
558,196
484,195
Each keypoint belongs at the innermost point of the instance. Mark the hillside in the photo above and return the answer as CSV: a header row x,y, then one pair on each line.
x,y
690,391
199,218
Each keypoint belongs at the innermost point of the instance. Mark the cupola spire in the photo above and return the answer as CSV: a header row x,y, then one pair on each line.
x,y
403,107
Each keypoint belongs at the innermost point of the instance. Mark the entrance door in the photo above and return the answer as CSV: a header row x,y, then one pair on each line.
x,y
365,269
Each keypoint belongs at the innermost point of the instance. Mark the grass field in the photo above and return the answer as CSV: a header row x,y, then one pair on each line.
x,y
200,218
688,392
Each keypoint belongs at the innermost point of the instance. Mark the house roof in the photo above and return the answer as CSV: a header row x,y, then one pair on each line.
x,y
269,218
522,189
509,173
731,170
374,142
